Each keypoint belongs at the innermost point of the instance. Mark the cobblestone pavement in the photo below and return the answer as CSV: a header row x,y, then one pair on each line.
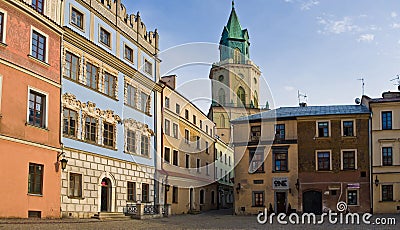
x,y
210,220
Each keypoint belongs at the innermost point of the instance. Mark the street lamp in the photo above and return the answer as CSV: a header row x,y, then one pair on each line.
x,y
63,161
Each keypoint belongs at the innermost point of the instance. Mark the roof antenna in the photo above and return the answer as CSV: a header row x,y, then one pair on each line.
x,y
398,81
363,85
301,96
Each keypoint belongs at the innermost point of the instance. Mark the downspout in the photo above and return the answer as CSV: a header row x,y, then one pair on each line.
x,y
370,162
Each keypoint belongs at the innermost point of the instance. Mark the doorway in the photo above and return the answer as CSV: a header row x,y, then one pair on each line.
x,y
106,194
191,195
312,202
280,201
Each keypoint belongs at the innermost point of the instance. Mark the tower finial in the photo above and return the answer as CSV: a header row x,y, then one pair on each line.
x,y
233,4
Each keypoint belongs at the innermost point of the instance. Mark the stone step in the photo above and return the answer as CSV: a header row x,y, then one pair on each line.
x,y
110,215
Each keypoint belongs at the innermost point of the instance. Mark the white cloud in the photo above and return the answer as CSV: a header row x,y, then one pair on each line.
x,y
393,14
337,26
366,38
289,88
307,5
395,25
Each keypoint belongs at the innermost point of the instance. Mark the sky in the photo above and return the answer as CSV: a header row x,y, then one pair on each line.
x,y
319,47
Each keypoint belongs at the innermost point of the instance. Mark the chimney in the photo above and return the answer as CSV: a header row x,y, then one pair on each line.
x,y
169,81
303,104
388,95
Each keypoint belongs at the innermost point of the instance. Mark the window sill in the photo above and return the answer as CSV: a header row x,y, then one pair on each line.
x,y
283,171
33,194
257,172
76,198
130,62
39,61
135,154
3,44
90,142
38,127
322,138
388,201
349,137
77,27
139,110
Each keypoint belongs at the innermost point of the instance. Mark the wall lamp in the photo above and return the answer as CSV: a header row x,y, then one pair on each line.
x,y
63,161
297,184
167,186
376,181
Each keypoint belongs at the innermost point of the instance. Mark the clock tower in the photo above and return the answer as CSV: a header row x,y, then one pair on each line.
x,y
234,79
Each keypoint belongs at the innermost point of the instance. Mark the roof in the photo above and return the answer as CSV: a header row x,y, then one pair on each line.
x,y
293,112
233,26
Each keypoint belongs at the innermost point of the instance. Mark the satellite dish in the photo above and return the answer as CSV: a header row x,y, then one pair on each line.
x,y
358,101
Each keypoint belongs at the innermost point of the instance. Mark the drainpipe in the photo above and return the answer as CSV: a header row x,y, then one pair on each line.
x,y
371,197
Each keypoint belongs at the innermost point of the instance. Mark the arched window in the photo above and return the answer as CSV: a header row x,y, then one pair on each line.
x,y
255,99
237,56
221,78
221,97
222,121
241,97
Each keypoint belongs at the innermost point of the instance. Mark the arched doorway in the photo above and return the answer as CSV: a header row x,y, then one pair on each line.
x,y
106,195
312,202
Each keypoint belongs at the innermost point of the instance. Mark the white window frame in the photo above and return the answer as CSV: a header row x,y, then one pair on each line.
x,y
341,158
381,119
165,123
46,112
133,53
177,130
144,67
198,167
46,60
316,160
386,145
99,37
354,127
358,197
83,19
4,26
173,158
316,128
82,185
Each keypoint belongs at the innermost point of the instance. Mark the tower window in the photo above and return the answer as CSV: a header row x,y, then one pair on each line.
x,y
237,56
241,96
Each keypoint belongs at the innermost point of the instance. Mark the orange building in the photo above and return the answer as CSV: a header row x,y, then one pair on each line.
x,y
29,109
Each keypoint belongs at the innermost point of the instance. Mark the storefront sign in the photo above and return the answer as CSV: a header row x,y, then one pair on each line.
x,y
280,183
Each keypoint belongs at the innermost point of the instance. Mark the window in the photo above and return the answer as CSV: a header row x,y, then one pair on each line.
x,y
109,84
176,157
35,179
349,160
207,129
131,96
174,195
256,161
145,193
2,27
144,102
144,150
186,114
75,185
255,133
37,108
167,127
348,128
175,130
387,159
323,129
128,53
187,161
91,76
220,156
90,129
229,160
202,196
198,142
323,161
167,153
352,197
258,181
207,146
280,160
387,192
237,56
167,102
194,119
201,124
38,46
131,141
207,169
198,165
108,134
225,159
148,67
38,5
77,18
105,37
131,191
258,199
177,109
71,66
387,120
241,97
280,132
70,124
186,136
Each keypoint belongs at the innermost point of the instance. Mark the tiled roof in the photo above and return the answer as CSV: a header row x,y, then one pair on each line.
x,y
287,112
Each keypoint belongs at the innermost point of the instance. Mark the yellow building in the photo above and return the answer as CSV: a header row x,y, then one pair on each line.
x,y
187,171
385,142
224,173
266,162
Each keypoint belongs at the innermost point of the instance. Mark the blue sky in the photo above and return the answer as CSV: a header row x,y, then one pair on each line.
x,y
320,47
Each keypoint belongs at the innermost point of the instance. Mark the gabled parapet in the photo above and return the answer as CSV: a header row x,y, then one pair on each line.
x,y
131,24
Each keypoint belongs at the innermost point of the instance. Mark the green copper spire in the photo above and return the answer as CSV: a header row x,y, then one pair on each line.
x,y
234,37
